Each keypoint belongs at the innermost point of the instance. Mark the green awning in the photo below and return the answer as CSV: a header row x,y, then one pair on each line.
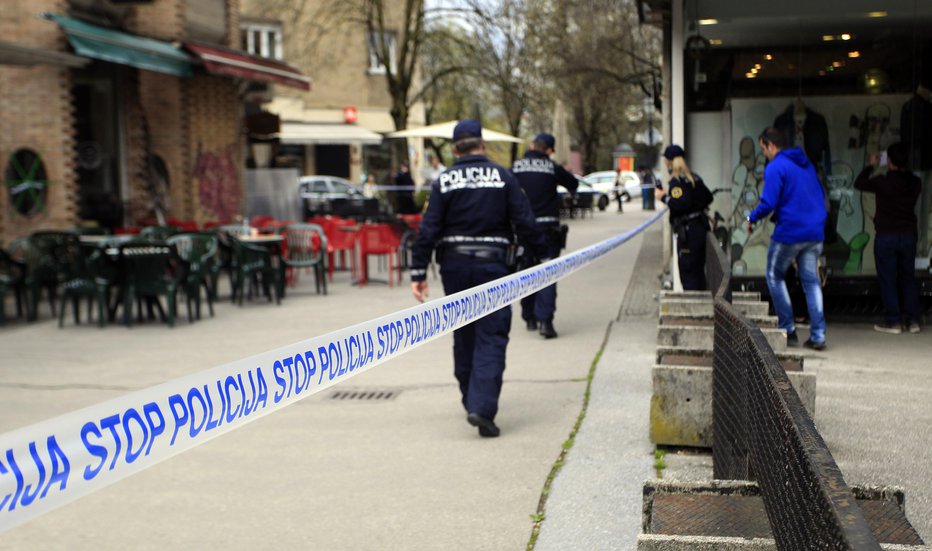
x,y
127,49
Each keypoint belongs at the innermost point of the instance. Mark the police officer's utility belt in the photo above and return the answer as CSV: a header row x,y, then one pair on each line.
x,y
683,220
481,252
547,220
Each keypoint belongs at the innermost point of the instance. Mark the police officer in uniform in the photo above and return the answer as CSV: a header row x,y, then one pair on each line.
x,y
475,207
539,177
687,196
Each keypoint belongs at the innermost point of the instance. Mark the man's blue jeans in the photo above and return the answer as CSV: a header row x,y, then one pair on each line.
x,y
894,256
806,255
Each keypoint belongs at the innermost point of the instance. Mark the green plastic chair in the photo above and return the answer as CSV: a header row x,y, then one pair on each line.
x,y
146,273
197,253
254,264
12,278
305,246
81,280
158,233
42,268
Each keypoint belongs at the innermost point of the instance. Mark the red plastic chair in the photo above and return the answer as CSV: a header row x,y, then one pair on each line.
x,y
377,240
187,226
341,240
260,221
127,230
215,223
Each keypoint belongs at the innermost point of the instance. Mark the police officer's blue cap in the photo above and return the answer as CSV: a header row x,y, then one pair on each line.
x,y
546,139
468,128
673,151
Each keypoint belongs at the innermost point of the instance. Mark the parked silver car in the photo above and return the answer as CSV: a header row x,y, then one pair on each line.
x,y
334,195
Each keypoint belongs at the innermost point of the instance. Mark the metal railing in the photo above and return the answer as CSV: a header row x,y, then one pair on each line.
x,y
762,432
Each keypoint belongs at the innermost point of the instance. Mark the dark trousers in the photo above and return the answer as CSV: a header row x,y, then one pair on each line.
x,y
895,257
478,348
690,245
542,304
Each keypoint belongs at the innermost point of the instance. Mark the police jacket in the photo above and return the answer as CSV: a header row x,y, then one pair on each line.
x,y
477,203
685,200
539,177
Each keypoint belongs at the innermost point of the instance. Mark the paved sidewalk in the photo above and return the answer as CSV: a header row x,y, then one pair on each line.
x,y
407,473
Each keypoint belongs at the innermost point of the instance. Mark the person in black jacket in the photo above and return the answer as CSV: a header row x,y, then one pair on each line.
x,y
539,177
895,243
404,195
687,197
474,209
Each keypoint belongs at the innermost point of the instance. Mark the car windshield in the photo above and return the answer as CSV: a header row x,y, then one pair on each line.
x,y
340,187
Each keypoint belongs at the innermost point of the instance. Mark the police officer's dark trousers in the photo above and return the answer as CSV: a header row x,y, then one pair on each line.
x,y
478,348
541,305
690,244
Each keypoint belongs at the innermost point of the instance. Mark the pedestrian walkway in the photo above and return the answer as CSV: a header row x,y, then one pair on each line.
x,y
409,472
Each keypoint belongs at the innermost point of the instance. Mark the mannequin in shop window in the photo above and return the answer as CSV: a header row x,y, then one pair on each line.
x,y
809,131
916,127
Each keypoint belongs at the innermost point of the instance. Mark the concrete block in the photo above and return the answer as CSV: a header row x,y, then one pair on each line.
x,y
687,307
702,336
682,355
745,296
681,319
728,511
755,308
690,295
681,403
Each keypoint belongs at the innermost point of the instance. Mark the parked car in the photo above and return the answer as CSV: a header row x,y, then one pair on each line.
x,y
604,181
586,196
333,195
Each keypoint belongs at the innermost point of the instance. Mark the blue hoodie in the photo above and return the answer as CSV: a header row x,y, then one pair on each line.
x,y
793,193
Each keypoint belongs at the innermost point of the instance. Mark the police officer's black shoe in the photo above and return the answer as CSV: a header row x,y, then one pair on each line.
x,y
486,426
531,325
547,331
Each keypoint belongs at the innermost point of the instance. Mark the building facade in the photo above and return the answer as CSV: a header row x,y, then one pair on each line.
x,y
118,115
844,79
337,128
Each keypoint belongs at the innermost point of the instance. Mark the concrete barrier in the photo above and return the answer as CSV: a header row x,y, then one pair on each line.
x,y
703,307
702,336
681,403
729,515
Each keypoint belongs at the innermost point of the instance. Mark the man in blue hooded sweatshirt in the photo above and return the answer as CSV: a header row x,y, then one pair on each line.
x,y
793,194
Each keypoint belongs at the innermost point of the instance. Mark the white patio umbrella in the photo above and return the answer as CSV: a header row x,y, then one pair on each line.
x,y
445,130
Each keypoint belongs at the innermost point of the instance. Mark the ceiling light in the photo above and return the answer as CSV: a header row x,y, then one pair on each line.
x,y
768,57
708,21
845,36
853,55
827,37
821,73
750,75
754,70
876,14
757,65
715,42
837,64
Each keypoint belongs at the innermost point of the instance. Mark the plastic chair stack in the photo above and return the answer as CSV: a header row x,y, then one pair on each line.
x,y
338,240
197,253
304,247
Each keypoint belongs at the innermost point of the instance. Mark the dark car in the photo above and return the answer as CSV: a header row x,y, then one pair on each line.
x,y
586,197
336,196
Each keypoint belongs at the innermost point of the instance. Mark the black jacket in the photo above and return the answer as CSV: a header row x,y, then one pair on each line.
x,y
539,177
474,202
897,192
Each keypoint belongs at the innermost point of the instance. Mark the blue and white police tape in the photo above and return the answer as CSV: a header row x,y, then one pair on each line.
x,y
51,463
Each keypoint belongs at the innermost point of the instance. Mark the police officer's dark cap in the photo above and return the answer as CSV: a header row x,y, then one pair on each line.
x,y
546,139
468,128
673,151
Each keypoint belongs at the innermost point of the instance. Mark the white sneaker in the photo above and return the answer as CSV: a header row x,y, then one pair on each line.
x,y
892,328
914,328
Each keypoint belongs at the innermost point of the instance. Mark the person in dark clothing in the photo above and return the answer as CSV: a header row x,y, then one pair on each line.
x,y
895,243
475,208
404,198
687,197
539,177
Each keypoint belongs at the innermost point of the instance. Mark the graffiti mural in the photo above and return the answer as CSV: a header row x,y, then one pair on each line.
x,y
838,134
219,188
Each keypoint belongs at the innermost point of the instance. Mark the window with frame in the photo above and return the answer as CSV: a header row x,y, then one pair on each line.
x,y
262,40
376,64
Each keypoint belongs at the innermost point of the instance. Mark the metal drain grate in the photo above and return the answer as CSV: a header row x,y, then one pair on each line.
x,y
366,395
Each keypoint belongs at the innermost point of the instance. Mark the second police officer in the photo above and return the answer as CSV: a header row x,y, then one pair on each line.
x,y
687,197
474,210
539,177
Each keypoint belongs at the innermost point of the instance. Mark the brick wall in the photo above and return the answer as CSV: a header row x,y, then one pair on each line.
x,y
162,101
36,113
162,19
216,143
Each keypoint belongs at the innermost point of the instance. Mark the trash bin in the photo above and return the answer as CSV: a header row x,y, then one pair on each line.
x,y
647,197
